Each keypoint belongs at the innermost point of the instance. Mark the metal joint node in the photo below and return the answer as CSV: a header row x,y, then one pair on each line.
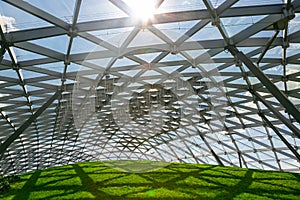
x,y
284,62
244,75
4,46
107,75
284,78
22,82
254,99
288,12
230,41
215,20
67,61
260,113
61,89
174,50
144,25
194,64
72,32
238,62
285,43
16,67
270,137
251,89
120,56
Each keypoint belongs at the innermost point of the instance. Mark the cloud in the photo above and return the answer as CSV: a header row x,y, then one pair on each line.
x,y
8,23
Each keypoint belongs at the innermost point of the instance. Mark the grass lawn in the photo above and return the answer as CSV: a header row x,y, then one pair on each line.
x,y
96,180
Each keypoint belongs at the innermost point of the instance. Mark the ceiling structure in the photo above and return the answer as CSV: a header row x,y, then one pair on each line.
x,y
200,81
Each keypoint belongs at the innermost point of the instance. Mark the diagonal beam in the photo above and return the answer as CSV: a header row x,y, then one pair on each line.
x,y
256,27
211,149
122,6
216,20
28,46
27,7
27,123
267,47
296,4
284,120
225,5
201,24
280,136
278,94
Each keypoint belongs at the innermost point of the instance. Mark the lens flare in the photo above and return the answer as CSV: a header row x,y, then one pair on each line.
x,y
142,9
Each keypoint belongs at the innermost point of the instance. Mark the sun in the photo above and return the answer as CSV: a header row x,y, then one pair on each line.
x,y
142,10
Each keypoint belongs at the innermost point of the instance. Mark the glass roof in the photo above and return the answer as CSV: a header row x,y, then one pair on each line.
x,y
211,81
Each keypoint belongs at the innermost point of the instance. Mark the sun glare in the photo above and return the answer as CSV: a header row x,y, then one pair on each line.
x,y
142,9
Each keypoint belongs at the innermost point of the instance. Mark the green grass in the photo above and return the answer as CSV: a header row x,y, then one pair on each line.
x,y
95,180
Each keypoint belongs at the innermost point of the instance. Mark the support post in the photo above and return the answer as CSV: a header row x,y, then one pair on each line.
x,y
240,159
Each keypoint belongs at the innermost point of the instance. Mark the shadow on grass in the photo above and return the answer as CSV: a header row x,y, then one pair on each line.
x,y
26,189
176,181
89,184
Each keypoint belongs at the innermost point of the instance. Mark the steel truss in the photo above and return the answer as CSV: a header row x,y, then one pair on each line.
x,y
247,101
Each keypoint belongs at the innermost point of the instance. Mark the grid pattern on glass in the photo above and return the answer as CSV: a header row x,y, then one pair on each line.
x,y
238,119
